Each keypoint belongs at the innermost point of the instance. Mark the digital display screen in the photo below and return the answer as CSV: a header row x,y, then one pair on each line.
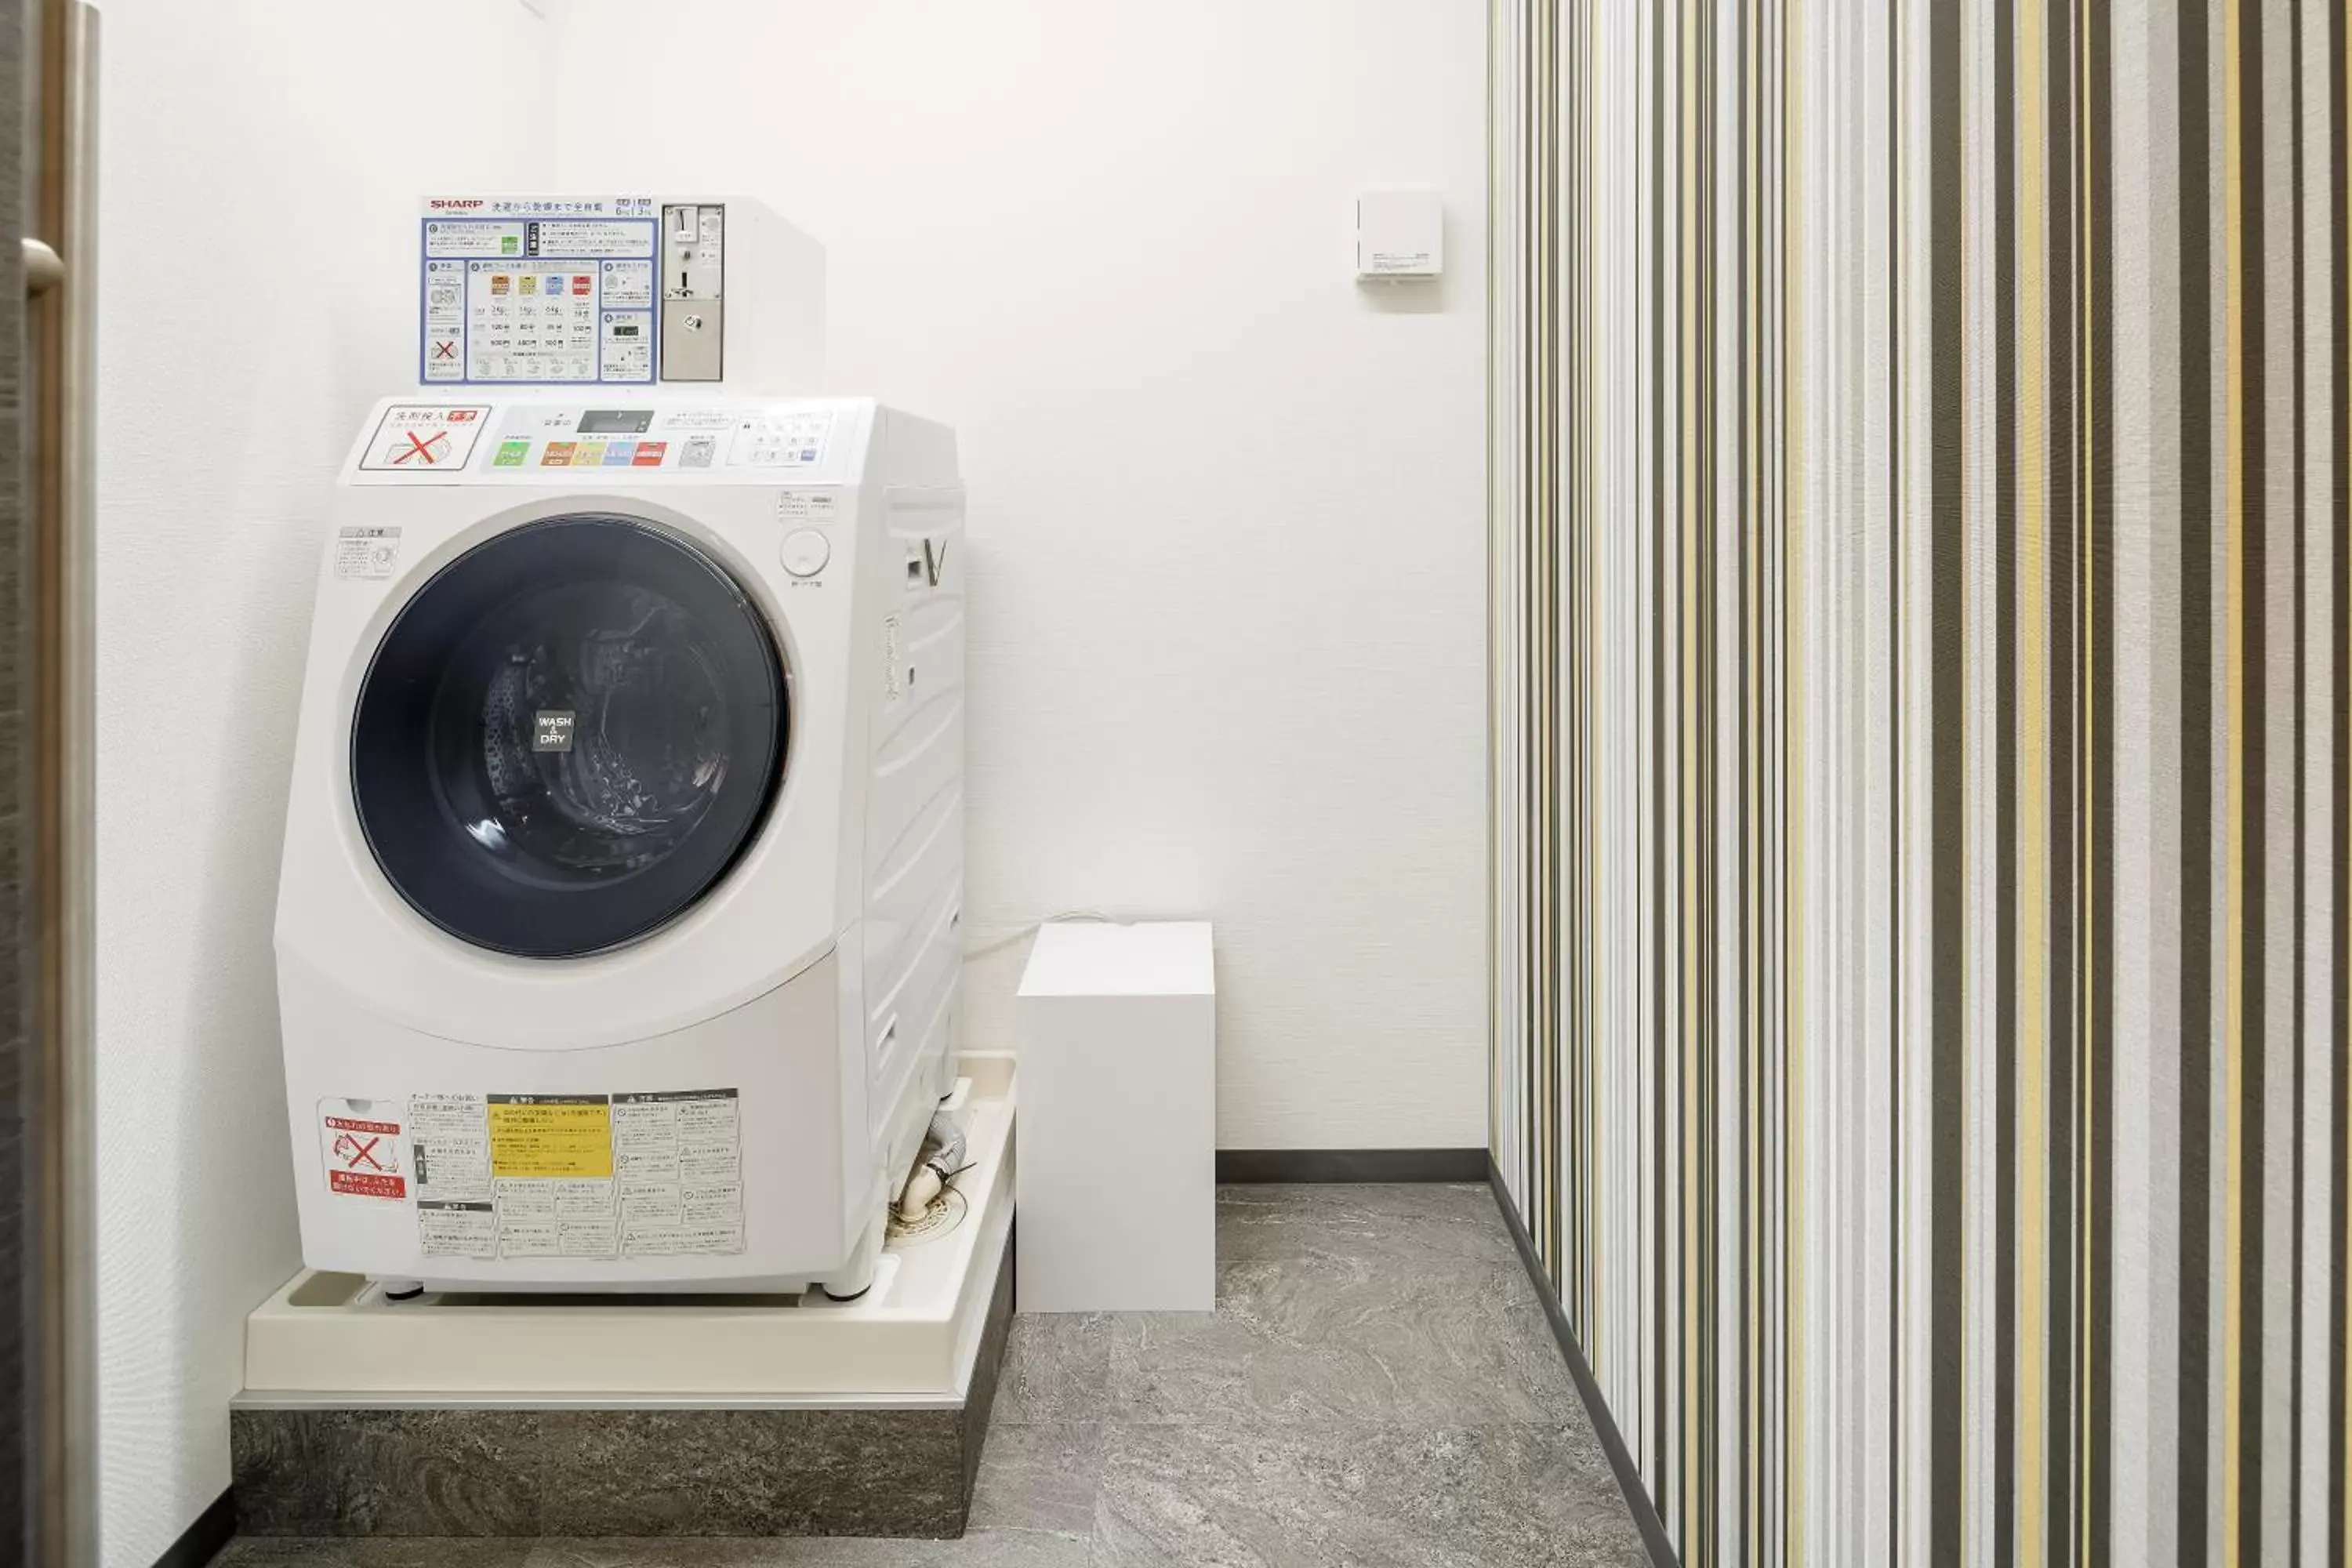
x,y
616,421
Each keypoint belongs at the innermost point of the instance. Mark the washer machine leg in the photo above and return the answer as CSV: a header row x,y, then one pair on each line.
x,y
402,1289
855,1277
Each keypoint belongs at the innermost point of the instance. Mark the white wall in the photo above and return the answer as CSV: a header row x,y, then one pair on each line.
x,y
1227,546
260,165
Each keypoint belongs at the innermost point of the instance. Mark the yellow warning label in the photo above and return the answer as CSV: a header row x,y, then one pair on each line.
x,y
550,1136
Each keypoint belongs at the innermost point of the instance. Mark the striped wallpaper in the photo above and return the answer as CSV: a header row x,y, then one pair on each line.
x,y
1922,575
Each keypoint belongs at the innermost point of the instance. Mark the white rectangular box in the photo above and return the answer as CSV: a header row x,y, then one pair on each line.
x,y
1116,1169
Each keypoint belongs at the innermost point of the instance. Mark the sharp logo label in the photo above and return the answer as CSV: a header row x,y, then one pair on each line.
x,y
441,205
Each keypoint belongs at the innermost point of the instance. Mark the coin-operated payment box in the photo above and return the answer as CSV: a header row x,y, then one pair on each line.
x,y
621,291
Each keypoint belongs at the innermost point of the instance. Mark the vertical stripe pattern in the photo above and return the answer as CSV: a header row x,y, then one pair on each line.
x,y
1920,497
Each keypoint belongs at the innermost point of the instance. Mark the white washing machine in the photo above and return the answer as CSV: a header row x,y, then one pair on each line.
x,y
618,925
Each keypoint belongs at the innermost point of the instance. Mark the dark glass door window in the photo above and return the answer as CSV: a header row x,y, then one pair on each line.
x,y
568,736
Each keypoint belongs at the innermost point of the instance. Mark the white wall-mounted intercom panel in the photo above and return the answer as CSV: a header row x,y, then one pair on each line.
x,y
1400,236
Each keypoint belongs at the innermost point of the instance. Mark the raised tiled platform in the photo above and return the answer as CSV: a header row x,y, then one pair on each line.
x,y
582,1471
469,1417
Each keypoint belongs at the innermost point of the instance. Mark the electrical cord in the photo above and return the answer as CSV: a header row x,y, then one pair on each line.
x,y
1001,944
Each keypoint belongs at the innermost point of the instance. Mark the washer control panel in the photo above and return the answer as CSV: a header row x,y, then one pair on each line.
x,y
790,441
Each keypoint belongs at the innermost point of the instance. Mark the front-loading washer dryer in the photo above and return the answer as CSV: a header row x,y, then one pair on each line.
x,y
618,924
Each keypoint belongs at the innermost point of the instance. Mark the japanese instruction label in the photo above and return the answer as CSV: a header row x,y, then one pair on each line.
x,y
587,1175
525,290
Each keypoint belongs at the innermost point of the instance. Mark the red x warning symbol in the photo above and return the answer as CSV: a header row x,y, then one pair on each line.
x,y
361,1155
357,1151
446,348
424,448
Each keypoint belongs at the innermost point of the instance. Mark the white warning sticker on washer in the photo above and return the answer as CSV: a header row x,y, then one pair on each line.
x,y
457,1229
555,1217
677,1156
359,1146
449,1147
366,551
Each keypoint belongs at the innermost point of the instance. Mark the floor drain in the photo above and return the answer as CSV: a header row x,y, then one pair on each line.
x,y
946,1212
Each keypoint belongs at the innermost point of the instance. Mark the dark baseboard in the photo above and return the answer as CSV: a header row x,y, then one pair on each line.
x,y
201,1542
1621,1459
1352,1164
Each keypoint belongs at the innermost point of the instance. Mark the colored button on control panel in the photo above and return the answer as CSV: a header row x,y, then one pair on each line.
x,y
511,454
650,453
558,454
588,455
619,454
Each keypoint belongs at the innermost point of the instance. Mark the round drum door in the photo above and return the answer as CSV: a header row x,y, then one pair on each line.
x,y
569,736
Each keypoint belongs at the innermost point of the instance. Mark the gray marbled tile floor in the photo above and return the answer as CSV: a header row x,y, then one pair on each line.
x,y
1377,1389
